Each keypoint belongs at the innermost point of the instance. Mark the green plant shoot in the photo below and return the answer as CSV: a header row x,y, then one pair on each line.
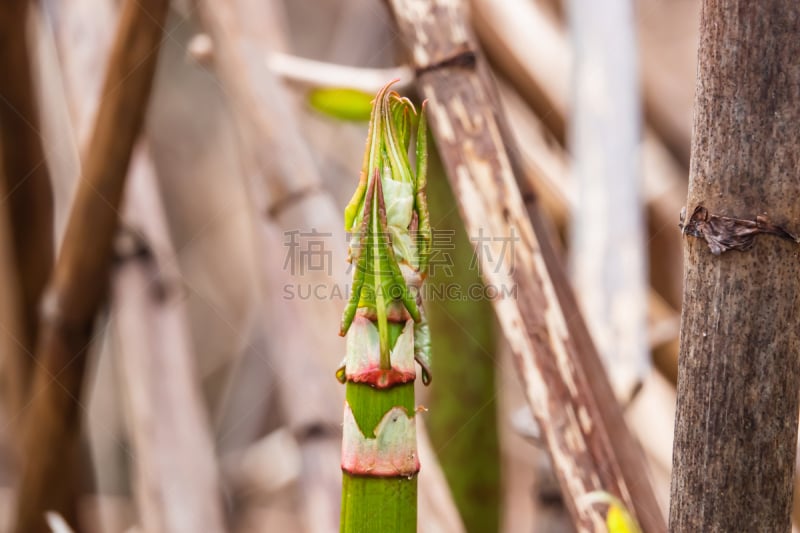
x,y
384,322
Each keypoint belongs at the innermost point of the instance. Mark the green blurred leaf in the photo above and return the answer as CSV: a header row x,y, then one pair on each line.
x,y
343,104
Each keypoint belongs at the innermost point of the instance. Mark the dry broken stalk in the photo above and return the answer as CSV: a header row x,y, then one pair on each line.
x,y
566,386
739,374
79,281
385,324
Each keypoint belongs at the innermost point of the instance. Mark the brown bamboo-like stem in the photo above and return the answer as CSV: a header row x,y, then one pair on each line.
x,y
545,161
24,181
565,384
739,374
79,281
10,326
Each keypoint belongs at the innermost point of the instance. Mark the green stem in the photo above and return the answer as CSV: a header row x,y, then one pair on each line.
x,y
378,504
387,505
370,405
382,321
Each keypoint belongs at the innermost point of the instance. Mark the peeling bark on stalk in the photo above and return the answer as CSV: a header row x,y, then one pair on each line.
x,y
566,386
739,372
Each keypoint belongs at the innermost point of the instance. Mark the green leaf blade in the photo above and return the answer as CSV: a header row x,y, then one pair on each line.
x,y
343,104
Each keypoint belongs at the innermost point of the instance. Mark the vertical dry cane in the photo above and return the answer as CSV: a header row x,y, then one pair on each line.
x,y
384,323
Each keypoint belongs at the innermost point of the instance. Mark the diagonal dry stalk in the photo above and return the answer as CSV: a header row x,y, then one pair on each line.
x,y
566,386
25,185
79,283
545,167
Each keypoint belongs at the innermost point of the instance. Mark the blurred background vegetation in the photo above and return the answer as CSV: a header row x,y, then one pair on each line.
x,y
233,164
